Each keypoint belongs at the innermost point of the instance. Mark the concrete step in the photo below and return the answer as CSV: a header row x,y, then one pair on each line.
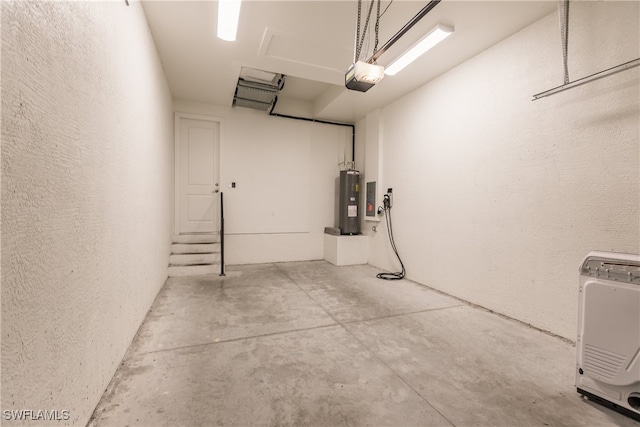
x,y
196,238
193,270
195,248
194,259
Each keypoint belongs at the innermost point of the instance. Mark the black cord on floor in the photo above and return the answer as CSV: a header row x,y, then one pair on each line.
x,y
391,276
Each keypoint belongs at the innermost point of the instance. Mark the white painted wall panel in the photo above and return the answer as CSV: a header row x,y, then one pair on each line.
x,y
87,155
497,198
269,162
285,172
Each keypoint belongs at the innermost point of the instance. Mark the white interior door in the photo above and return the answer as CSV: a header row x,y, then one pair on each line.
x,y
197,190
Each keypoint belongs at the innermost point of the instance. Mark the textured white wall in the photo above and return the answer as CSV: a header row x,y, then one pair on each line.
x,y
498,198
285,171
87,143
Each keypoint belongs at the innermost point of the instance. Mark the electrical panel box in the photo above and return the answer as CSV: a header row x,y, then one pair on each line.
x,y
370,209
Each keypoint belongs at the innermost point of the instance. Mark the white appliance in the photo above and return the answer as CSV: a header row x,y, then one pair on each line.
x,y
608,344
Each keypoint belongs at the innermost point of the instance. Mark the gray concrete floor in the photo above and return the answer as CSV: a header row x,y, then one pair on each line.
x,y
309,343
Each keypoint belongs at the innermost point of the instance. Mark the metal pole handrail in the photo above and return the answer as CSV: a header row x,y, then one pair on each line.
x,y
221,234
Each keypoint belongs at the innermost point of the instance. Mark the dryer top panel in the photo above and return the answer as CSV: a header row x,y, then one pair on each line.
x,y
612,266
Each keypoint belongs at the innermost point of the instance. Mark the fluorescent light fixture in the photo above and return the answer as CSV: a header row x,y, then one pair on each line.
x,y
228,15
432,38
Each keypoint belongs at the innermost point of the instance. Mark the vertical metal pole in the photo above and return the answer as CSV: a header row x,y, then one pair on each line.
x,y
563,11
221,234
356,54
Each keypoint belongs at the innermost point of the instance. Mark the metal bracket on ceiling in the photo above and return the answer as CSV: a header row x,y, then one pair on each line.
x,y
563,15
413,21
359,37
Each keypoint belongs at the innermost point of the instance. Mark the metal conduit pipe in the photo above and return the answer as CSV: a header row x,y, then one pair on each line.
x,y
326,122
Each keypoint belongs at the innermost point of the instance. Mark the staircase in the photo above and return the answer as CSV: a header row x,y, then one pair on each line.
x,y
194,254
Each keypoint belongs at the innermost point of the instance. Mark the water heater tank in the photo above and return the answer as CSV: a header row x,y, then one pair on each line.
x,y
349,201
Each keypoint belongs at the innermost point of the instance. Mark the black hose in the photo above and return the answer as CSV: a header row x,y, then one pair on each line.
x,y
401,274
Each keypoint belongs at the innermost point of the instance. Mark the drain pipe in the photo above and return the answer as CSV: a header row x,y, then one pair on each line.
x,y
326,122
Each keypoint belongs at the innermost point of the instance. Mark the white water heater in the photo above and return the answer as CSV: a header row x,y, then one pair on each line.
x,y
608,344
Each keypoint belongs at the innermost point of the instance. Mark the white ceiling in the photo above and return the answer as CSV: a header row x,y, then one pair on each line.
x,y
311,42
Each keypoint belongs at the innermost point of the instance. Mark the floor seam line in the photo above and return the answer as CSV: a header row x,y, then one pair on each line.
x,y
349,322
284,273
397,375
234,340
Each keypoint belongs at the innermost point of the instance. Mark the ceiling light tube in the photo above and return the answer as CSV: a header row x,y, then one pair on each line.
x,y
432,38
228,16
